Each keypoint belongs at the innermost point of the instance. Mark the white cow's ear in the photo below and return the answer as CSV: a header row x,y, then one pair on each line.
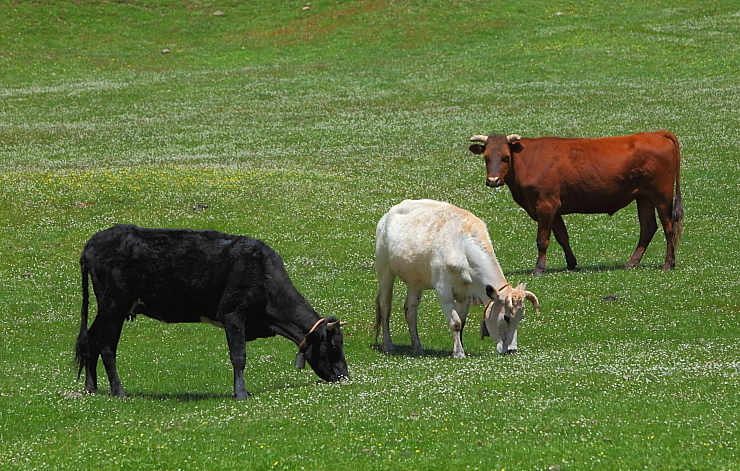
x,y
484,329
491,292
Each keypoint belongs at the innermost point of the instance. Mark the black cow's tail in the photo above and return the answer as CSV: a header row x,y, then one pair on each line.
x,y
81,347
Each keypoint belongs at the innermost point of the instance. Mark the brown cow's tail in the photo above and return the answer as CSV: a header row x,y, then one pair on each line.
x,y
677,212
81,347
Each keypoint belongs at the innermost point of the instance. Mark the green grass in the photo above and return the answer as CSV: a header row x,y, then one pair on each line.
x,y
302,128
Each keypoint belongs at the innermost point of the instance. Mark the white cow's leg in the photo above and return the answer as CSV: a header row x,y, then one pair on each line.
x,y
449,307
462,312
411,310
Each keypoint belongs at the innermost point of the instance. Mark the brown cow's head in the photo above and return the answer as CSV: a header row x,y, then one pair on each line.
x,y
497,150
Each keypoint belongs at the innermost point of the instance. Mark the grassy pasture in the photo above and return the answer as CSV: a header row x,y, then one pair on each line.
x,y
301,127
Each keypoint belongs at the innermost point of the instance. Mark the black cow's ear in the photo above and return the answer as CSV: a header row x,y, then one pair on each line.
x,y
516,146
477,148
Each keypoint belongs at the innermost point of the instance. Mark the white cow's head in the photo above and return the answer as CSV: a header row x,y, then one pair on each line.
x,y
503,314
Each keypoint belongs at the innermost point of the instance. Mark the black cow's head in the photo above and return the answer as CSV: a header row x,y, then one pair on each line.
x,y
324,351
497,150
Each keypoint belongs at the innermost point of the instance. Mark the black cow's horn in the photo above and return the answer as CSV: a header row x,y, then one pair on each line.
x,y
331,325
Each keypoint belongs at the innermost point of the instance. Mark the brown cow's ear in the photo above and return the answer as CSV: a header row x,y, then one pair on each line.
x,y
477,148
516,146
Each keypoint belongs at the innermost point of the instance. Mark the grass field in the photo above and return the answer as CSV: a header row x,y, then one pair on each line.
x,y
302,127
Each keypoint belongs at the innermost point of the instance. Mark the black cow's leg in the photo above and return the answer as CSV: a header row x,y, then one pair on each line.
x,y
561,235
236,339
91,360
648,227
110,335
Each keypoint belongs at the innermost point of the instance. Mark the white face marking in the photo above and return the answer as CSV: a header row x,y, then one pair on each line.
x,y
205,320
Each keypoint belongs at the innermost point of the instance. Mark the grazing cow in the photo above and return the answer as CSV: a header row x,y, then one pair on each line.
x,y
173,275
550,177
435,245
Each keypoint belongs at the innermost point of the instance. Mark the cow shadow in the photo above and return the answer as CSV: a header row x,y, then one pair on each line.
x,y
406,352
181,397
582,269
197,397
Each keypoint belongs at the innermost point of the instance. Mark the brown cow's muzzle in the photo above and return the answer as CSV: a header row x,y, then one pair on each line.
x,y
494,182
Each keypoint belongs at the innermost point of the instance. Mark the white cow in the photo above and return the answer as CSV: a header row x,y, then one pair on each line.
x,y
435,245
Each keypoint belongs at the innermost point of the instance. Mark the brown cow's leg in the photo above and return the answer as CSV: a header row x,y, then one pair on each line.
x,y
561,235
543,241
648,227
668,228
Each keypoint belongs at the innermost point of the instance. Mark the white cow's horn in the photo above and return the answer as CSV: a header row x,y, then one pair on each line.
x,y
533,299
513,137
478,138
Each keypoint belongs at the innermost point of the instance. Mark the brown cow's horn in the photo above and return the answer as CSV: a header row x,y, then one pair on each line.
x,y
478,138
513,137
533,299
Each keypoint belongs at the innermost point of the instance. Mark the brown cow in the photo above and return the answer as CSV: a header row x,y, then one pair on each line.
x,y
550,177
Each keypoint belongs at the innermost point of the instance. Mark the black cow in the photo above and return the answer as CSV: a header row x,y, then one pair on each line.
x,y
181,275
